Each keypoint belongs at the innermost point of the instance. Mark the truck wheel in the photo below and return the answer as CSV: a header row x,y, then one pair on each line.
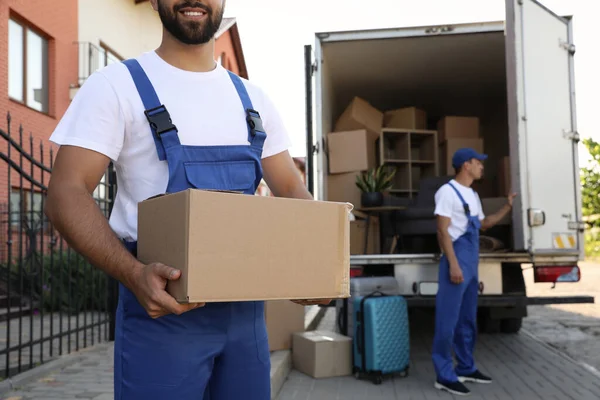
x,y
511,325
486,323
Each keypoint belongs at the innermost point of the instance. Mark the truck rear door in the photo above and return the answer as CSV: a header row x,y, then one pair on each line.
x,y
543,131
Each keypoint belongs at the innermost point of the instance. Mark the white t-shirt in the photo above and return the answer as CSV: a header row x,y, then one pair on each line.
x,y
448,204
107,116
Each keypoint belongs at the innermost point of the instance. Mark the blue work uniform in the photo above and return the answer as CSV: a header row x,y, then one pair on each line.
x,y
456,305
216,352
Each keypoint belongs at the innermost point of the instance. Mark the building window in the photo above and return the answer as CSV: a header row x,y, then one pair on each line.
x,y
27,66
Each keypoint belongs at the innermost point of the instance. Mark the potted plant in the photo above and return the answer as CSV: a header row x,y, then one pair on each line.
x,y
372,185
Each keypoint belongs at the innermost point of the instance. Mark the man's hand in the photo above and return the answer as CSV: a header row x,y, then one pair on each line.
x,y
312,302
491,220
148,285
456,275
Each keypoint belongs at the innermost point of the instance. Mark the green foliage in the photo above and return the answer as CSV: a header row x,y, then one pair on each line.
x,y
375,180
590,183
62,281
590,191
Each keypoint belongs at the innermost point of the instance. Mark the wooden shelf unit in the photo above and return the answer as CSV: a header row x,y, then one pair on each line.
x,y
414,154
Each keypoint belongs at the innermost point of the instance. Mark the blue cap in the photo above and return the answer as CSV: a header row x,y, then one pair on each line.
x,y
466,154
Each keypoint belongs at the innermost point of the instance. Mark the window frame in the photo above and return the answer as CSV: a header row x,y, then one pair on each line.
x,y
26,28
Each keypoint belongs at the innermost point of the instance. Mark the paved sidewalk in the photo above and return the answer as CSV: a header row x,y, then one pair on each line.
x,y
91,378
523,368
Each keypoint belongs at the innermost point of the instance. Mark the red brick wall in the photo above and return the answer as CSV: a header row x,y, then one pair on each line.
x,y
224,44
58,21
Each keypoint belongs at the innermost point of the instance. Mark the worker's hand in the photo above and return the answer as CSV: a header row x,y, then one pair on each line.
x,y
149,286
456,275
312,302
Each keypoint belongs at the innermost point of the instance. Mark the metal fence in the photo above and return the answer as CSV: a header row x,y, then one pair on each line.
x,y
52,301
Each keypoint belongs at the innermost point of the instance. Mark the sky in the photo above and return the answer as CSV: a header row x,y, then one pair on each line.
x,y
274,33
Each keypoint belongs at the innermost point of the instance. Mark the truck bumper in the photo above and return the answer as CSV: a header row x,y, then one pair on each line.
x,y
506,301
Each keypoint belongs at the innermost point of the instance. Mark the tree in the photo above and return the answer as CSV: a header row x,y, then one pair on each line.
x,y
590,183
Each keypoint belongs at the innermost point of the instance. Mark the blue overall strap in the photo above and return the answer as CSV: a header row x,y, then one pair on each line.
x,y
163,130
464,203
256,132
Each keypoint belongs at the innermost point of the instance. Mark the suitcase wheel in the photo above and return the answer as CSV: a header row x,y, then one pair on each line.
x,y
378,380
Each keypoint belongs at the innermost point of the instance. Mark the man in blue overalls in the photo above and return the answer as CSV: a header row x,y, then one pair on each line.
x,y
170,120
460,218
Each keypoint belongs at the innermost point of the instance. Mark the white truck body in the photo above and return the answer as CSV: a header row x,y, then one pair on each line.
x,y
520,70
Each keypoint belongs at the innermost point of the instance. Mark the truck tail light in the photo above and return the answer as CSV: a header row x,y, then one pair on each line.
x,y
557,273
356,272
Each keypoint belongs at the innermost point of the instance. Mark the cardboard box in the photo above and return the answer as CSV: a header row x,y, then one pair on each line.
x,y
351,151
358,229
458,128
493,205
360,114
235,247
342,188
504,180
405,118
283,319
449,147
322,354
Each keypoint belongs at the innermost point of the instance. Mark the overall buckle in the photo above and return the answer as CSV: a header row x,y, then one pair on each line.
x,y
254,121
160,120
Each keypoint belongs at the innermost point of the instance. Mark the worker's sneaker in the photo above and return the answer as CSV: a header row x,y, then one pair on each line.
x,y
456,388
476,377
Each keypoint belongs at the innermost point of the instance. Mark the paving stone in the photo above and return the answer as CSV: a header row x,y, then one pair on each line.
x,y
523,368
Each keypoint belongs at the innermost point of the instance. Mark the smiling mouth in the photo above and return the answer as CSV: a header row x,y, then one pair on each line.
x,y
193,13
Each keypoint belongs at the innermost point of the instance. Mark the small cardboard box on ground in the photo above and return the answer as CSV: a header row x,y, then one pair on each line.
x,y
458,128
322,354
405,118
351,151
235,247
342,188
359,114
283,319
449,147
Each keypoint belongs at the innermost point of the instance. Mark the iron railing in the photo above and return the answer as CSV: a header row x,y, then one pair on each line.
x,y
52,301
92,58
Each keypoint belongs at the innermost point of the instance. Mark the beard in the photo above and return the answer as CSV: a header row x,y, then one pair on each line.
x,y
190,32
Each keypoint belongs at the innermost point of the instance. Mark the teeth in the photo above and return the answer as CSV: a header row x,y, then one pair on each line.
x,y
194,13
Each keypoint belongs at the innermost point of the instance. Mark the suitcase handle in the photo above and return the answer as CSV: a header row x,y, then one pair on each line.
x,y
359,343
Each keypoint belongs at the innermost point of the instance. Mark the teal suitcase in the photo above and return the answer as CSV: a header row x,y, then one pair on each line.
x,y
381,336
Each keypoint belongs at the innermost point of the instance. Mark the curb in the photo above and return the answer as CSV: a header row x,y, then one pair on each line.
x,y
24,378
281,361
281,366
562,354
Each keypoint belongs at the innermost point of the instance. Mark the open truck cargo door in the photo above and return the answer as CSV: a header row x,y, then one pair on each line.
x,y
309,67
543,131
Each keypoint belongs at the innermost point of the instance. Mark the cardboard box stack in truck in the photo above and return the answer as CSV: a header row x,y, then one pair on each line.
x,y
406,99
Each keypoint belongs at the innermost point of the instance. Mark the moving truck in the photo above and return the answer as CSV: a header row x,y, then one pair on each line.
x,y
515,79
